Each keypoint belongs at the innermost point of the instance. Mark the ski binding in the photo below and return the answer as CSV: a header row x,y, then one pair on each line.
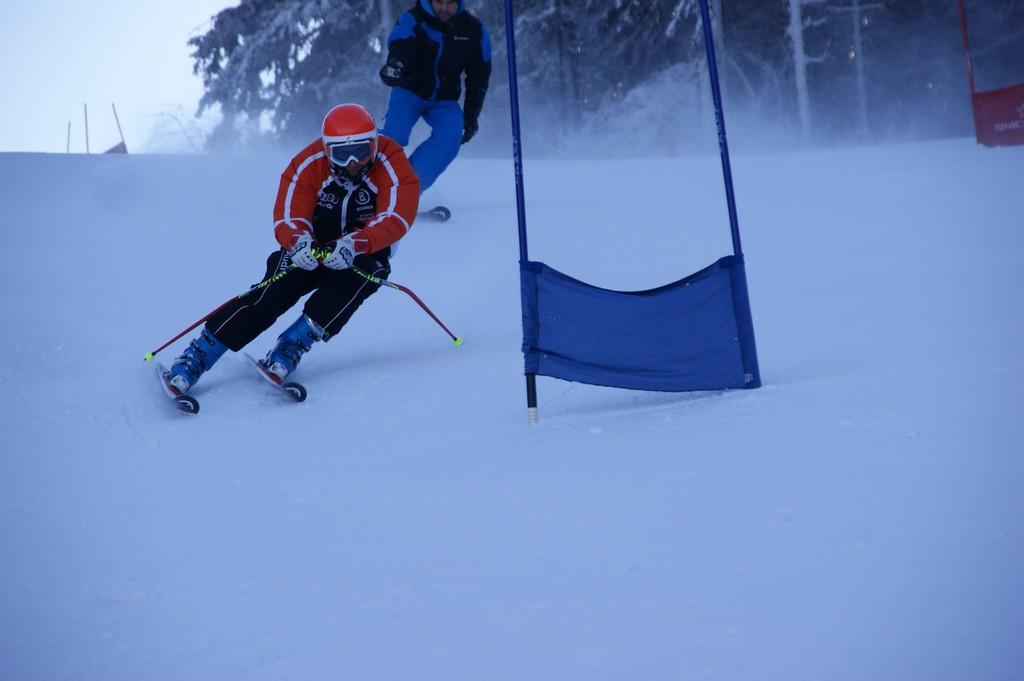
x,y
183,401
295,391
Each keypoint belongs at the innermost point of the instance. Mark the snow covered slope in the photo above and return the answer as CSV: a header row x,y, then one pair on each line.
x,y
857,517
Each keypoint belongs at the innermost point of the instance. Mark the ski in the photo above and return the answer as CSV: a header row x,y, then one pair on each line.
x,y
435,214
183,401
295,391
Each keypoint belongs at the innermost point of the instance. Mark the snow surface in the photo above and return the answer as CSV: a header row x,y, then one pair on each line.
x,y
858,517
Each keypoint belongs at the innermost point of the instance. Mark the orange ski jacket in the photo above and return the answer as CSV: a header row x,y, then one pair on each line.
x,y
391,179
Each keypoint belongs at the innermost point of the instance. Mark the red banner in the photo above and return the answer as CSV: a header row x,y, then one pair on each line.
x,y
999,116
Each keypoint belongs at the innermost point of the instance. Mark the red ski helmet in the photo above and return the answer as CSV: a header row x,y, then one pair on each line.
x,y
350,134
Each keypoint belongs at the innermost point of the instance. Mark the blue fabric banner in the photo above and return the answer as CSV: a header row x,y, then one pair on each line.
x,y
692,334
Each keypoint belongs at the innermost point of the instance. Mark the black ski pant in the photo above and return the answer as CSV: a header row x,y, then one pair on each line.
x,y
337,294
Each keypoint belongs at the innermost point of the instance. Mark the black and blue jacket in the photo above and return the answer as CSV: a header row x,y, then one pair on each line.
x,y
434,56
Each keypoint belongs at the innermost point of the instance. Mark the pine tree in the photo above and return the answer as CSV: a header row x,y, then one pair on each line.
x,y
272,67
275,66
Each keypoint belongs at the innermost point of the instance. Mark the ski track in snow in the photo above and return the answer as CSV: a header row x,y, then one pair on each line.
x,y
854,518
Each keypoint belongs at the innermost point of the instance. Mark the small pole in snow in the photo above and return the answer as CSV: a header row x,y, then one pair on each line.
x,y
68,150
85,109
118,121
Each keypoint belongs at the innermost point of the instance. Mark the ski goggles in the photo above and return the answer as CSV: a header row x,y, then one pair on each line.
x,y
345,153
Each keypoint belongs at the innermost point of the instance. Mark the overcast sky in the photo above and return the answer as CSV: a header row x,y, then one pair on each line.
x,y
56,55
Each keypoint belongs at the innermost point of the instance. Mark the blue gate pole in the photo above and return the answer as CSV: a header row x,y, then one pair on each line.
x,y
517,145
517,155
723,145
741,300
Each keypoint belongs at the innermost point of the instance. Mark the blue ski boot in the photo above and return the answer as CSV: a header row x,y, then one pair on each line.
x,y
291,345
200,355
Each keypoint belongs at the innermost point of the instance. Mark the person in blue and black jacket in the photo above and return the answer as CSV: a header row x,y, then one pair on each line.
x,y
429,49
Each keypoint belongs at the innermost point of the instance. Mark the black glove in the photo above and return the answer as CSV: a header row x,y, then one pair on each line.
x,y
469,128
391,73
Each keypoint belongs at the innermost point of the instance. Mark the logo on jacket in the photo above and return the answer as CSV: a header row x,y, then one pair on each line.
x,y
328,200
363,197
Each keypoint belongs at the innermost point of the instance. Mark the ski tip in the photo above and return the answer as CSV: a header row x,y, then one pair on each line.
x,y
187,404
296,391
436,214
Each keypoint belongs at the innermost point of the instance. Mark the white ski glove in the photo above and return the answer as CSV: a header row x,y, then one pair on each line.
x,y
301,252
345,251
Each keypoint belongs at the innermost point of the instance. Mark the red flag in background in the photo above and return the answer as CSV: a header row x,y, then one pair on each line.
x,y
999,116
998,111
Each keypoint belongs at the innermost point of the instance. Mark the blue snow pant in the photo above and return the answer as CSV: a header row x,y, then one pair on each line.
x,y
444,116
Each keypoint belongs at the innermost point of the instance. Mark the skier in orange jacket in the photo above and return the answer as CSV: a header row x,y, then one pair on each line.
x,y
343,201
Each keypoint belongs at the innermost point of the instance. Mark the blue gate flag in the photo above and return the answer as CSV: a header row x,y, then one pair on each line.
x,y
692,334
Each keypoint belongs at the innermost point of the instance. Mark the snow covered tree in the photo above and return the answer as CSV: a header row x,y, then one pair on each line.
x,y
272,67
580,59
612,47
275,66
797,24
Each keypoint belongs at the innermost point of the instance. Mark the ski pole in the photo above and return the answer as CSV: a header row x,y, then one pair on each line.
x,y
320,254
389,284
263,284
